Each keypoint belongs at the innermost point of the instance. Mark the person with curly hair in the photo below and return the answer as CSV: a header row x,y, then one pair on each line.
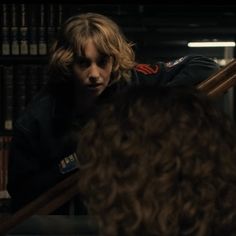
x,y
91,58
147,169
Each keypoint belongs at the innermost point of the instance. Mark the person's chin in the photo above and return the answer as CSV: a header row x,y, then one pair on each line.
x,y
96,91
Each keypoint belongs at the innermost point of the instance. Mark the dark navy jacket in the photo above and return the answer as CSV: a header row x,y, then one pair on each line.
x,y
41,136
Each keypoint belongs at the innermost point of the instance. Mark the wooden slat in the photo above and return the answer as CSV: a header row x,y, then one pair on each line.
x,y
59,200
217,84
223,87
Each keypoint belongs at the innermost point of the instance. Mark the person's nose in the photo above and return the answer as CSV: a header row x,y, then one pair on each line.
x,y
94,72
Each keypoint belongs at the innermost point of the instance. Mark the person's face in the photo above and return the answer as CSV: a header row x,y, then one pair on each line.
x,y
93,70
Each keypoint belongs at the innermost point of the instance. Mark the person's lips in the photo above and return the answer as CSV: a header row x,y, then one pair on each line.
x,y
97,86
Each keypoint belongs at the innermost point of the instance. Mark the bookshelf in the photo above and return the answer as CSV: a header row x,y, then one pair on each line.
x,y
27,32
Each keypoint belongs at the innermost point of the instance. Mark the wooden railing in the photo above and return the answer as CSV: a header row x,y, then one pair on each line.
x,y
64,191
46,203
220,82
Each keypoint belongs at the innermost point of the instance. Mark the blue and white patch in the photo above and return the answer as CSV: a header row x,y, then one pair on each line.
x,y
69,163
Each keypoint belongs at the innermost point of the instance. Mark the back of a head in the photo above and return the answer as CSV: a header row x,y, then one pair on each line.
x,y
160,162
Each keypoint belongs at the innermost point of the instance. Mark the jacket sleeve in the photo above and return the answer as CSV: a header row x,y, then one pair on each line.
x,y
185,71
29,174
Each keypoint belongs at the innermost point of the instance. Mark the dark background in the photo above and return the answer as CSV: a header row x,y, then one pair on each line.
x,y
162,31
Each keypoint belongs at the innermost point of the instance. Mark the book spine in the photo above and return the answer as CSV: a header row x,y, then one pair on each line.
x,y
8,140
33,30
59,18
15,49
32,82
43,73
4,145
8,96
19,90
1,165
51,29
23,34
42,32
1,98
5,31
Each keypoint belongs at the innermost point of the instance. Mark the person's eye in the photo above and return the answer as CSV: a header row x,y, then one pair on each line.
x,y
103,61
83,62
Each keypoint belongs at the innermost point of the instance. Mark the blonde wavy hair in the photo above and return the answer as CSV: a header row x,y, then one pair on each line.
x,y
107,37
160,162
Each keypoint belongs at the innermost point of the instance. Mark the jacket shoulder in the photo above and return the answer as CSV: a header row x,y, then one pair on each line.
x,y
186,70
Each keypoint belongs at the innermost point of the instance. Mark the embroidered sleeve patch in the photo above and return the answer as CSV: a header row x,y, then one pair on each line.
x,y
147,69
175,62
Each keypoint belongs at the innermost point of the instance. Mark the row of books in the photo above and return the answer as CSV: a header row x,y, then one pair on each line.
x,y
4,150
18,85
29,29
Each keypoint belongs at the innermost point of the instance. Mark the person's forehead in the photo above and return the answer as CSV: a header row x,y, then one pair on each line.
x,y
90,49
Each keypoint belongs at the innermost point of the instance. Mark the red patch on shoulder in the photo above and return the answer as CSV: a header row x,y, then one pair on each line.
x,y
147,69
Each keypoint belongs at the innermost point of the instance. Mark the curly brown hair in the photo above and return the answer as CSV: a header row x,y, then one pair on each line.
x,y
160,161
